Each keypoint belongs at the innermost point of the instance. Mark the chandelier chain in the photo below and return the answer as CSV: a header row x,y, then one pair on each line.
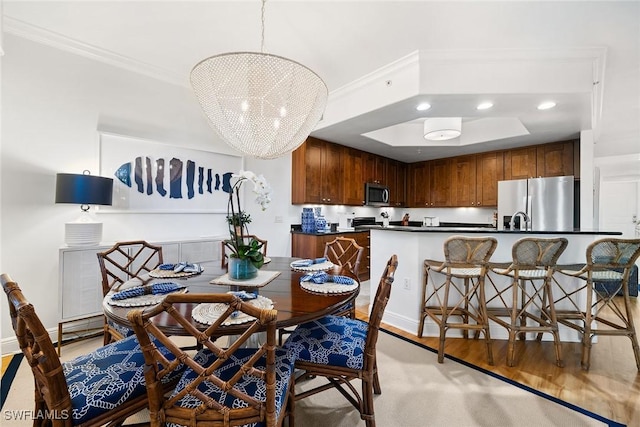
x,y
262,21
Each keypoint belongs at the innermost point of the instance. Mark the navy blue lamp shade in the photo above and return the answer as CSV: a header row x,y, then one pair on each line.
x,y
83,189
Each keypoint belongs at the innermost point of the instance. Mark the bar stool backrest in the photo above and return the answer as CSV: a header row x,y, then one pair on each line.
x,y
462,251
538,252
611,253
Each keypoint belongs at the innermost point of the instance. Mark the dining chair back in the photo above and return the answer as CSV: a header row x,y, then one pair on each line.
x,y
122,262
526,303
100,388
605,275
224,384
224,257
342,349
344,252
127,260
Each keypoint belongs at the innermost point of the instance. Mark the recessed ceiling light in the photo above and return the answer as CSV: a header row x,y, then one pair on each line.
x,y
546,105
423,107
484,106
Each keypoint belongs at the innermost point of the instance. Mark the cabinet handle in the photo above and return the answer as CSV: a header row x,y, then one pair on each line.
x,y
478,203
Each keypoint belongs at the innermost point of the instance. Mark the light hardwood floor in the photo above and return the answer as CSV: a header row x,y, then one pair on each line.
x,y
611,388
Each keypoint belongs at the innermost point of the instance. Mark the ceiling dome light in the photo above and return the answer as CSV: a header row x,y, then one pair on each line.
x,y
546,105
442,128
423,106
484,106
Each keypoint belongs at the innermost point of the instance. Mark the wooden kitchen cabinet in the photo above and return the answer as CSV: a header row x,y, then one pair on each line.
x,y
489,170
353,172
440,182
429,183
375,169
463,178
520,163
418,185
555,159
396,180
312,246
317,173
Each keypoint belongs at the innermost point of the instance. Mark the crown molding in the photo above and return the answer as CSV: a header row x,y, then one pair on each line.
x,y
59,41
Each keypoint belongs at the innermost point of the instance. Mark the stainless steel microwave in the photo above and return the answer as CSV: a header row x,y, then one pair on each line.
x,y
376,194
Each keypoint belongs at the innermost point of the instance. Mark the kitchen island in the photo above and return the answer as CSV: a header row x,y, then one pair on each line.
x,y
415,244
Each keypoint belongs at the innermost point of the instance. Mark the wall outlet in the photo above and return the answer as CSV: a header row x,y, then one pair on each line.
x,y
407,283
278,219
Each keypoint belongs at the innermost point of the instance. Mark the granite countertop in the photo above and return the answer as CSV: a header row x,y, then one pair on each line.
x,y
297,229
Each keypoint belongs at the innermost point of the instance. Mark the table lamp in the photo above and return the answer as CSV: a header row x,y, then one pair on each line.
x,y
84,190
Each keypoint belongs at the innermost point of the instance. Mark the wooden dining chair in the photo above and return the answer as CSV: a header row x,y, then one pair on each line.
x,y
103,387
230,386
248,238
342,349
344,252
125,261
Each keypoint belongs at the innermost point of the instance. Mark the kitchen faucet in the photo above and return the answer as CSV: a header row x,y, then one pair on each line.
x,y
525,219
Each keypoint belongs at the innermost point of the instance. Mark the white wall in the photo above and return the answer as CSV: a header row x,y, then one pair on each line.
x,y
54,103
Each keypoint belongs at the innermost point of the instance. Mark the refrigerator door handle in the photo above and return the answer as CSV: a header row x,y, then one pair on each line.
x,y
529,221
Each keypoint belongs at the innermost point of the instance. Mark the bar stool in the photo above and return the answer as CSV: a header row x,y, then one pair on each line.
x,y
466,258
609,262
529,295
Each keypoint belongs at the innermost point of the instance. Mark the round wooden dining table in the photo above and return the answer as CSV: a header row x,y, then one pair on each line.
x,y
294,304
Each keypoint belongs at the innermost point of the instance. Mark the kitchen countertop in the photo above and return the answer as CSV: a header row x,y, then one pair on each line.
x,y
358,230
483,230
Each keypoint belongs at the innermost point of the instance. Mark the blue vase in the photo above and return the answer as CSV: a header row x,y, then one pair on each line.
x,y
241,269
321,224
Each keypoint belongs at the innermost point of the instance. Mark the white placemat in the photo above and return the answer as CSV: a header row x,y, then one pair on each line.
x,y
322,266
149,299
260,280
208,313
329,287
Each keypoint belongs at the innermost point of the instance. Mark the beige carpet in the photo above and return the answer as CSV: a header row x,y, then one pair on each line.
x,y
416,391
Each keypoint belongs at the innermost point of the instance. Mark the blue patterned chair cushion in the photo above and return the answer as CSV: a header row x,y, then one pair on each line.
x,y
331,340
122,330
248,384
104,379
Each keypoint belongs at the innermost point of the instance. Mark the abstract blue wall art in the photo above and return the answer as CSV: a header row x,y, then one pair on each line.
x,y
155,177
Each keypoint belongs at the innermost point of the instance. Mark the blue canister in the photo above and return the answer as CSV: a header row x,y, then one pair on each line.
x,y
308,221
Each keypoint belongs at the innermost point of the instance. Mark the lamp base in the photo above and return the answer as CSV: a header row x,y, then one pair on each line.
x,y
83,233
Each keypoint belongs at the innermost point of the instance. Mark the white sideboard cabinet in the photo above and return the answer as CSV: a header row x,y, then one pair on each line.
x,y
79,283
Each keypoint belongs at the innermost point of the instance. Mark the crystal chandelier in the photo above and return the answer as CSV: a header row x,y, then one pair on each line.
x,y
260,104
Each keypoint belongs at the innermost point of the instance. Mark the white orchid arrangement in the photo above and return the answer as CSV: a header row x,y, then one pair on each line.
x,y
238,219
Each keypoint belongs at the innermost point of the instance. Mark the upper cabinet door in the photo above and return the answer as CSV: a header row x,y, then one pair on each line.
x,y
490,170
316,175
520,163
374,169
555,159
418,192
440,180
463,176
352,172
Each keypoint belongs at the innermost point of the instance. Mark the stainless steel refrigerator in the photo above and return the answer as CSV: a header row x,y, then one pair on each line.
x,y
547,202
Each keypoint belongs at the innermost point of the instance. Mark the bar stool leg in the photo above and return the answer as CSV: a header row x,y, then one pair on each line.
x,y
547,292
485,321
445,316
